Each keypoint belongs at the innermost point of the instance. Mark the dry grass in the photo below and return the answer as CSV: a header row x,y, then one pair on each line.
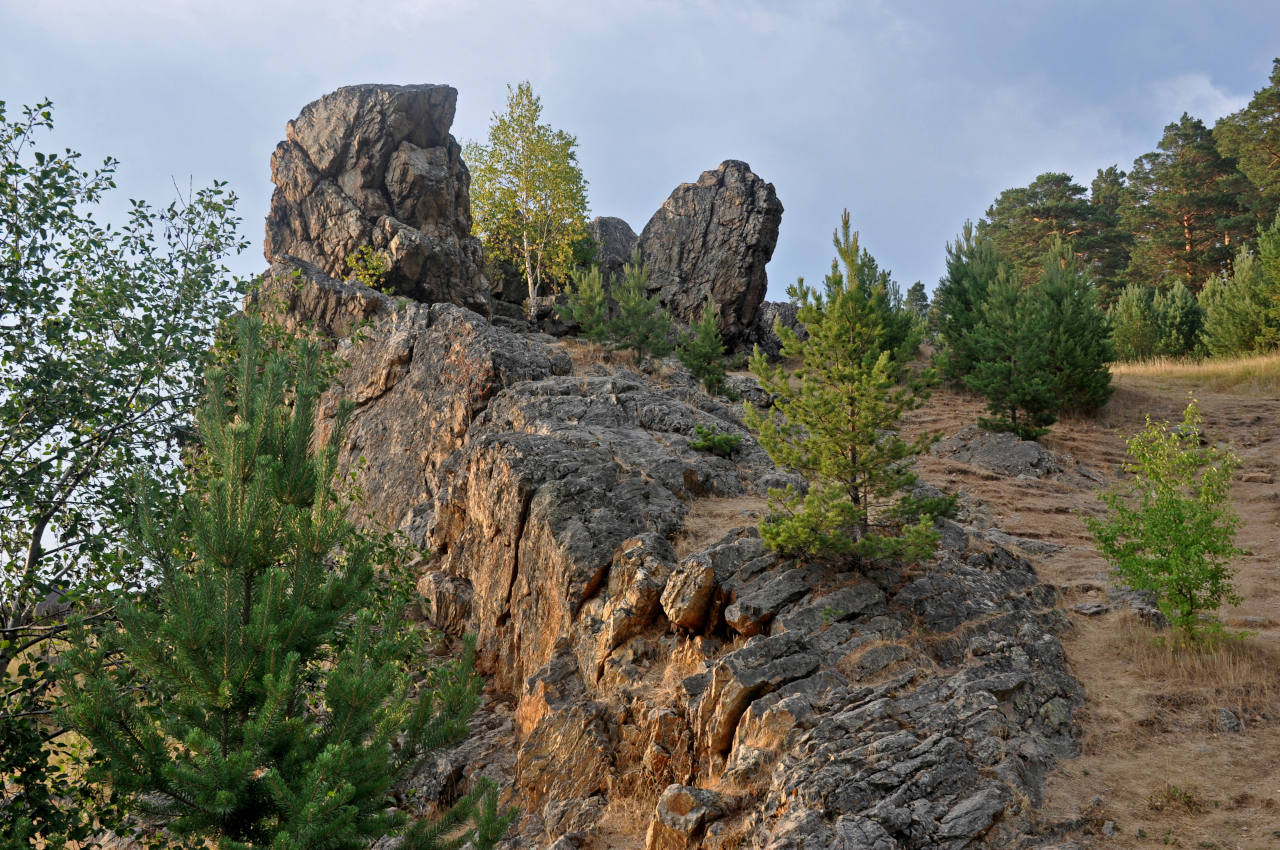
x,y
709,519
1257,375
1240,670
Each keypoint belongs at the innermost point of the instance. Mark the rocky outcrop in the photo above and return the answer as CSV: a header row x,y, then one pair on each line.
x,y
615,241
712,239
847,703
770,316
376,165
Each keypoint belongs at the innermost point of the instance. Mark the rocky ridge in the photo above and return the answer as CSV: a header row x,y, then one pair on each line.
x,y
731,698
751,701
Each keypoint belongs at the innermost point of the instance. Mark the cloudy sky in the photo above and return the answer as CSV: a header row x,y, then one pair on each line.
x,y
914,115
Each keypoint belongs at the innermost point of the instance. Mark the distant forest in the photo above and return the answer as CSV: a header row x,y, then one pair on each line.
x,y
1183,248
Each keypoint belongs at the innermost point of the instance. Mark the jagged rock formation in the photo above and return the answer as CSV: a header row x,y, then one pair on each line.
x,y
763,331
712,239
615,240
831,707
375,165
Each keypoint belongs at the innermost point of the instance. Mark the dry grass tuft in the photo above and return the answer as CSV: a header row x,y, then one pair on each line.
x,y
1257,375
1176,797
1240,670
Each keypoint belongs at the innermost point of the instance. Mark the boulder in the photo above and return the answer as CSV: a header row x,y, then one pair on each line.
x,y
682,815
998,451
375,165
712,239
615,240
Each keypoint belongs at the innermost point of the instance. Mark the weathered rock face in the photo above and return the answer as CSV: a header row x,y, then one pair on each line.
x,y
712,239
615,240
854,706
375,165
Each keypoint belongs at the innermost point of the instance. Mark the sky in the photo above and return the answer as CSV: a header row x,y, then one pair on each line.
x,y
914,114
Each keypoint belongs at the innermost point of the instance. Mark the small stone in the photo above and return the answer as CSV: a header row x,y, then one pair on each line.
x,y
1228,723
1091,609
1109,829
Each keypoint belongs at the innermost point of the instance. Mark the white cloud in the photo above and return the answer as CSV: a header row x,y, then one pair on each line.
x,y
1196,95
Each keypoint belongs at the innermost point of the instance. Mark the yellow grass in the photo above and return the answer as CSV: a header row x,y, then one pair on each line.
x,y
1256,375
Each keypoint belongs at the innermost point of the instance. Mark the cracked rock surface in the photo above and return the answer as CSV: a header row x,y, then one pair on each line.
x,y
737,699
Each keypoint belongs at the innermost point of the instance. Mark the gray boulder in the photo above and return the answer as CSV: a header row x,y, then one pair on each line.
x,y
713,239
615,240
375,165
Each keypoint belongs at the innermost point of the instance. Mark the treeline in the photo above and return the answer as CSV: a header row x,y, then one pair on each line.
x,y
1183,249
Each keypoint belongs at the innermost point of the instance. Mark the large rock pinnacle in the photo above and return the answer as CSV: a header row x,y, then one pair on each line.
x,y
712,239
375,165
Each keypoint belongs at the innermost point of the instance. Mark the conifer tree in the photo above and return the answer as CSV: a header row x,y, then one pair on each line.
x,y
1179,319
832,420
702,350
973,267
1134,328
640,323
1079,346
1041,349
1012,367
587,304
256,697
1236,309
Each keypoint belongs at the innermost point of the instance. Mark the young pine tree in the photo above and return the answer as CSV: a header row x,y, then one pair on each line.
x,y
1135,329
832,420
255,697
640,324
1011,364
973,267
702,350
587,304
1236,320
1079,346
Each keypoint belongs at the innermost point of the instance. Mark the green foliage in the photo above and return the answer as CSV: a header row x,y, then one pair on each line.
x,y
1235,308
102,335
902,331
257,696
1024,223
587,304
528,195
1252,136
1135,329
714,441
1040,349
917,300
702,350
1190,204
1079,345
1012,360
973,267
1171,531
1178,319
832,421
640,323
368,266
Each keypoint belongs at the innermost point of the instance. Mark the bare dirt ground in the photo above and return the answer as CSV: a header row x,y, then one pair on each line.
x,y
1156,770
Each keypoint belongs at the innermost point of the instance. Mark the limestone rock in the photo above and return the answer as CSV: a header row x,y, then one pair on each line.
x,y
375,165
713,239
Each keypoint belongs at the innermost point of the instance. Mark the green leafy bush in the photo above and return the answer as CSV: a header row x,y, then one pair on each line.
x,y
716,442
368,266
1171,531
